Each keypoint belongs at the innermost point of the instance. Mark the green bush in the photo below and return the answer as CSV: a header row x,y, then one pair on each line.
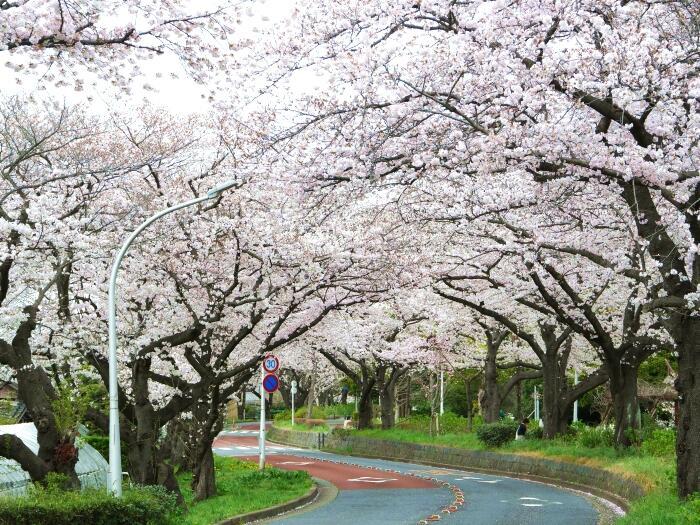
x,y
98,442
535,433
451,423
284,415
420,423
52,506
316,413
662,442
592,437
496,434
339,410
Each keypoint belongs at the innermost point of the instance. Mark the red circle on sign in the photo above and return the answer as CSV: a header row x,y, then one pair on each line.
x,y
271,383
271,363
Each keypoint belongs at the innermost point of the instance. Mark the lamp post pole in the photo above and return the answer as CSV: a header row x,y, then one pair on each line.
x,y
115,456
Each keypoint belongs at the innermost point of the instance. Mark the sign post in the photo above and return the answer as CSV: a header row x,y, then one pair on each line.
x,y
294,391
261,435
269,383
575,402
442,392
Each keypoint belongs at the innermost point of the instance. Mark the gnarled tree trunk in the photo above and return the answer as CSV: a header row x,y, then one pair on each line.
x,y
386,404
688,386
364,406
623,387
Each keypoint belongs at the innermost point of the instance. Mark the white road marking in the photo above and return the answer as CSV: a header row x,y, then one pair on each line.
x,y
489,481
531,504
534,499
296,463
368,479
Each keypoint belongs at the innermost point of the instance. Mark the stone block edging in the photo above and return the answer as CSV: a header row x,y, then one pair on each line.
x,y
272,511
602,483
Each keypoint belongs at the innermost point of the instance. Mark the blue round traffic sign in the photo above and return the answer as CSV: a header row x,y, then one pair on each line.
x,y
271,383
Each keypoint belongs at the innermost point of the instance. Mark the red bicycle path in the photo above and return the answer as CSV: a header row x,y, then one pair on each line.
x,y
342,475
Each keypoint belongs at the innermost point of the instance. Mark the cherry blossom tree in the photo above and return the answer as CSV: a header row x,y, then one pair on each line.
x,y
55,165
438,96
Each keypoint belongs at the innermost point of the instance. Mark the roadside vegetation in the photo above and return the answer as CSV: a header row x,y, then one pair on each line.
x,y
241,488
650,464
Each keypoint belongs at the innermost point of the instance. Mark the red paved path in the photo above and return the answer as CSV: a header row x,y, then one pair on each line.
x,y
340,474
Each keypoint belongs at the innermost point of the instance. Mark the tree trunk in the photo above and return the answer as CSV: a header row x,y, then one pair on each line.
x,y
688,386
405,404
364,408
491,400
470,418
57,452
241,404
623,387
141,456
165,476
204,475
310,399
433,396
387,399
554,386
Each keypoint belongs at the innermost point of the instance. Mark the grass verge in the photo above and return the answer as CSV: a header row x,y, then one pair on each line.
x,y
241,488
301,427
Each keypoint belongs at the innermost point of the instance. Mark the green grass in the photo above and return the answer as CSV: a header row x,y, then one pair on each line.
x,y
301,427
655,474
651,472
662,508
241,488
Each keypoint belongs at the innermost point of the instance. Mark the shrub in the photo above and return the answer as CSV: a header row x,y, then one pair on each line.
x,y
420,423
662,442
340,410
535,433
98,442
283,415
451,423
316,413
52,506
496,434
592,437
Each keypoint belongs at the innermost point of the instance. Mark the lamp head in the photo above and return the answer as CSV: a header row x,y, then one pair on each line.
x,y
218,190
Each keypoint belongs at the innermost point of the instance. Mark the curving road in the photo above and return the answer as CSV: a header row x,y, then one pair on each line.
x,y
375,491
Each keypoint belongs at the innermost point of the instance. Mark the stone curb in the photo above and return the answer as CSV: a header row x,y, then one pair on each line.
x,y
599,482
270,512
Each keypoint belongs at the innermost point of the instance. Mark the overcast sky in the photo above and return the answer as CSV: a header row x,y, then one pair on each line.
x,y
157,85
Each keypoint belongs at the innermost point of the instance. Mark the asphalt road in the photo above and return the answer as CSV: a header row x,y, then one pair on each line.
x,y
373,491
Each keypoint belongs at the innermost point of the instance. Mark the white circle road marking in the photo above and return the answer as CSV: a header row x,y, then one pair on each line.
x,y
368,479
478,480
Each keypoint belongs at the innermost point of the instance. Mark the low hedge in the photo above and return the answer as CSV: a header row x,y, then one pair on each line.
x,y
496,434
138,506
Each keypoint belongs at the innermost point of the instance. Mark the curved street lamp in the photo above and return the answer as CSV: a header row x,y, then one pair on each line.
x,y
115,456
